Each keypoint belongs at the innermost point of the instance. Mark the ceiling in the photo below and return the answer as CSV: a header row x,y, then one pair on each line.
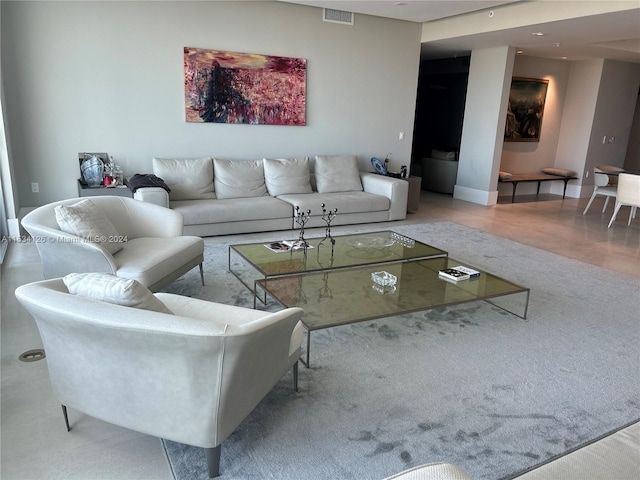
x,y
611,35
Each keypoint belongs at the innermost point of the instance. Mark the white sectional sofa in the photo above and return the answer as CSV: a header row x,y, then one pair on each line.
x,y
221,197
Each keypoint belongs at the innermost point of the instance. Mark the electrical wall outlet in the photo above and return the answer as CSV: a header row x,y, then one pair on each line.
x,y
35,188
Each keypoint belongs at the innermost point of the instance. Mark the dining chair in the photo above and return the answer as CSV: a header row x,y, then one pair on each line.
x,y
602,187
628,194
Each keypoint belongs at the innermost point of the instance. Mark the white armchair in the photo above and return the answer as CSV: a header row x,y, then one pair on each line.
x,y
153,249
191,377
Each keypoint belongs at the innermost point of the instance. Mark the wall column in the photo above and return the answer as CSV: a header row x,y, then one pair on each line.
x,y
483,129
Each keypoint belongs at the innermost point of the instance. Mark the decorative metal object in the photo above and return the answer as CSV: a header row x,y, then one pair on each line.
x,y
402,240
301,218
328,216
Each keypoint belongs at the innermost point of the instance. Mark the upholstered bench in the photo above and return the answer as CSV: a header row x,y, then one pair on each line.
x,y
546,175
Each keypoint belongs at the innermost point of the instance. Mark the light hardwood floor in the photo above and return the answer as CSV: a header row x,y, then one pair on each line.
x,y
35,444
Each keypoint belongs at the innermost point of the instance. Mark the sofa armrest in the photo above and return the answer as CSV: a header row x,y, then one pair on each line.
x,y
395,189
155,195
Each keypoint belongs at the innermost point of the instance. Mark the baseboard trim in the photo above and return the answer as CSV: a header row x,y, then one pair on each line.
x,y
481,197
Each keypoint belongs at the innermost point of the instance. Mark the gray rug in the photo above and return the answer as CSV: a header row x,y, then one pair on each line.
x,y
471,385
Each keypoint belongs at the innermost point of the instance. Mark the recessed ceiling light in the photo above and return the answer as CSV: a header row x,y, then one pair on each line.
x,y
564,58
538,34
519,52
558,44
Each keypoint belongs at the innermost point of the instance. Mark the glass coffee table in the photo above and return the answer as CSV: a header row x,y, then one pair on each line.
x,y
339,297
253,261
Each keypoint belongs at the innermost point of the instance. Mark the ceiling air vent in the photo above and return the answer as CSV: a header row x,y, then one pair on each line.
x,y
337,16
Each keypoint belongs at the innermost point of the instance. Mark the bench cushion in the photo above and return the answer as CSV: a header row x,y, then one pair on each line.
x,y
504,176
560,172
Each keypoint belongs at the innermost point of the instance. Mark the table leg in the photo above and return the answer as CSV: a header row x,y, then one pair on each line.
x,y
513,194
538,190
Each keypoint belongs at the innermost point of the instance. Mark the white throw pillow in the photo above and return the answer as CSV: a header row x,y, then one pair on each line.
x,y
337,173
188,178
85,220
287,175
111,289
239,178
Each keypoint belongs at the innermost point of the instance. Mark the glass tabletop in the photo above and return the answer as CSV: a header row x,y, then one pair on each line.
x,y
349,251
333,298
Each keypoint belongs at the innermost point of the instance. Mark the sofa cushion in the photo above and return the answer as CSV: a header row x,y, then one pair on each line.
x,y
111,289
337,173
345,202
188,178
239,178
202,212
150,259
287,175
86,220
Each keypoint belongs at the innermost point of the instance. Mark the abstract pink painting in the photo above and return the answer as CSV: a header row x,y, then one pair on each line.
x,y
231,87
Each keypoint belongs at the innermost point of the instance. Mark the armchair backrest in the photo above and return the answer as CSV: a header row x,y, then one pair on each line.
x,y
600,179
131,218
184,379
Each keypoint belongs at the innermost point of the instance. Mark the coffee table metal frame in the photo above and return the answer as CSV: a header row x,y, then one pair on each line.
x,y
269,264
419,288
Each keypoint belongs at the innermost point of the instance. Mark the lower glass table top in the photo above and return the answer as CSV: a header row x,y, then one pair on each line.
x,y
338,297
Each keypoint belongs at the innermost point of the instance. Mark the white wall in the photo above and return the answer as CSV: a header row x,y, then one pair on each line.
x,y
108,76
615,107
632,159
483,129
578,117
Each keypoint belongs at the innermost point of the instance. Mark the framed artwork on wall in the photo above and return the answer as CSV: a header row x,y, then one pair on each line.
x,y
232,87
525,109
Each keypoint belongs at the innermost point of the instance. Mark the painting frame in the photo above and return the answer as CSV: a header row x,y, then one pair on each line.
x,y
525,109
244,88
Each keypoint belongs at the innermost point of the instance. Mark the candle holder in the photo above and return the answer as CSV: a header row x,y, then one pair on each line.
x,y
328,216
301,218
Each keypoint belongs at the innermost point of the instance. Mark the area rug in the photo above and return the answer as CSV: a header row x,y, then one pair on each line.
x,y
470,385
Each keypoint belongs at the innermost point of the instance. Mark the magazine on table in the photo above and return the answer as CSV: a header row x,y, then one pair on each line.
x,y
286,246
459,273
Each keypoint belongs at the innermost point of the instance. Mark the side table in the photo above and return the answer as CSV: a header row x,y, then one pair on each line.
x,y
413,200
119,191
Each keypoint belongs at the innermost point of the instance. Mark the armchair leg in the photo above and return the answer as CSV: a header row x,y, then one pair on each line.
x,y
213,460
201,275
295,376
66,418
